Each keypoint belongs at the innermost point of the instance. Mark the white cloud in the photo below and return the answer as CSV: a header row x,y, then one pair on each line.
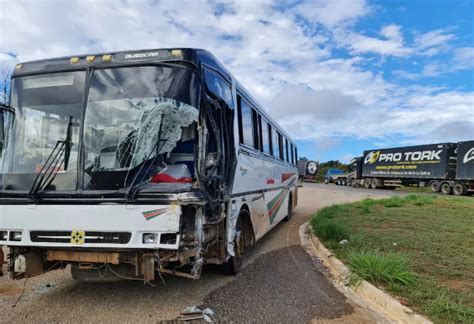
x,y
333,12
287,65
432,42
464,58
391,43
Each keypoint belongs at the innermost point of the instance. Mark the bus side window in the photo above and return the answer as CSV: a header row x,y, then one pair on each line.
x,y
256,129
287,159
292,154
266,137
245,123
280,146
275,146
218,87
296,155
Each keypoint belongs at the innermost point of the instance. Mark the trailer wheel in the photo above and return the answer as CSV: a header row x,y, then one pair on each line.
x,y
459,189
373,184
446,188
243,240
435,187
367,183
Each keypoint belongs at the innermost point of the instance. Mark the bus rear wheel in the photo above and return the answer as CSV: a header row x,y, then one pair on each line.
x,y
243,240
446,188
290,208
459,189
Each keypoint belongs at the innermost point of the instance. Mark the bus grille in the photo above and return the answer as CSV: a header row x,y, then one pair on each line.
x,y
90,237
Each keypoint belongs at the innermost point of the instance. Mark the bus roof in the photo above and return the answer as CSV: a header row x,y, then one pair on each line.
x,y
196,56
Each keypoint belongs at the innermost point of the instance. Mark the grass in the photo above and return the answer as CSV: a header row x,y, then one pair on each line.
x,y
419,247
414,189
381,268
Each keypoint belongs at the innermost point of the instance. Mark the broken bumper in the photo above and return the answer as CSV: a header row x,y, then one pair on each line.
x,y
111,226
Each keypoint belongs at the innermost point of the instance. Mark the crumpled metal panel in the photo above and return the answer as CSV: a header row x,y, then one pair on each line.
x,y
231,232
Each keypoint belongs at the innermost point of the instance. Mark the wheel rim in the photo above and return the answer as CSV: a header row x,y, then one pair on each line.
x,y
445,188
458,190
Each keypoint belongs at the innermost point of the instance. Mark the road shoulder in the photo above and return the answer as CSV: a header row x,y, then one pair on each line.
x,y
379,304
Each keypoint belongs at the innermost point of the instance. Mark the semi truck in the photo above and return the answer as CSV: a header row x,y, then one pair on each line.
x,y
445,167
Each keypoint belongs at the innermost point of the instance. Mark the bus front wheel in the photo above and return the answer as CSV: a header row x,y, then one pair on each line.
x,y
244,239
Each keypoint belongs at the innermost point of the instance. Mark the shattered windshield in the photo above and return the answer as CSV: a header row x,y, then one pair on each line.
x,y
132,115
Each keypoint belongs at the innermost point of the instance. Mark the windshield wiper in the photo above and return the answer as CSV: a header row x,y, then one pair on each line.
x,y
132,190
56,158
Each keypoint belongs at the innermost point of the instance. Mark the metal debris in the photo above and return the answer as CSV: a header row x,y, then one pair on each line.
x,y
193,313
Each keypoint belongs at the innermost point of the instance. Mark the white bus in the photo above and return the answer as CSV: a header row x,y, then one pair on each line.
x,y
137,164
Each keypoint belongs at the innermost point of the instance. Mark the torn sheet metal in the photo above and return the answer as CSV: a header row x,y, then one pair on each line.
x,y
231,232
193,313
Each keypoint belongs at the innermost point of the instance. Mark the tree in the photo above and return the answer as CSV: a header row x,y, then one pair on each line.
x,y
303,158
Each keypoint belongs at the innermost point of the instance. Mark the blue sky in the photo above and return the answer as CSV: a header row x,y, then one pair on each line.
x,y
340,76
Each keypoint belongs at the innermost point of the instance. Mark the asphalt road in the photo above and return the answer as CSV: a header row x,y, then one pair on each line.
x,y
280,283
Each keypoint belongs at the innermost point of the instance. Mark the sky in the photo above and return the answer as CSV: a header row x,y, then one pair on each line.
x,y
341,76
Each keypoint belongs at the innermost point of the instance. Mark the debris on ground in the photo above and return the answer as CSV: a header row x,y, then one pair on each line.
x,y
342,242
193,313
46,288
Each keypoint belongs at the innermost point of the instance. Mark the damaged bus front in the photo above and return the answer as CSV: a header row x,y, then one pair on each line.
x,y
117,165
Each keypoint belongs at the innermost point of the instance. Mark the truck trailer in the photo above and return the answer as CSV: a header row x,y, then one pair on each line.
x,y
445,167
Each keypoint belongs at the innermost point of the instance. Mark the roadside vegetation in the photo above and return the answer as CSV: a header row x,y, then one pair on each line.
x,y
418,247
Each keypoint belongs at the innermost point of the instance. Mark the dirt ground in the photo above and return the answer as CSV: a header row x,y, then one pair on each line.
x,y
280,283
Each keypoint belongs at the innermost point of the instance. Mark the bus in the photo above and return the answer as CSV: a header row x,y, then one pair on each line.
x,y
136,164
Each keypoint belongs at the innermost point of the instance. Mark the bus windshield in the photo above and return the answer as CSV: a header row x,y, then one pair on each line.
x,y
126,117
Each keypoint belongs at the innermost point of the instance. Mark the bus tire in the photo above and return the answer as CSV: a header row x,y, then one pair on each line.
x,y
459,189
446,188
234,264
290,209
435,187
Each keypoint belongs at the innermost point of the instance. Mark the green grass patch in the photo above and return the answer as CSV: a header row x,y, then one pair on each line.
x,y
381,268
420,247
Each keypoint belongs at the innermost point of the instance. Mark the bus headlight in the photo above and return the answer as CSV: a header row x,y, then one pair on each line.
x,y
15,236
150,238
3,235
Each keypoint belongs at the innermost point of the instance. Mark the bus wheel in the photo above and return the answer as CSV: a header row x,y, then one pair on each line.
x,y
445,188
290,209
435,187
459,189
243,239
